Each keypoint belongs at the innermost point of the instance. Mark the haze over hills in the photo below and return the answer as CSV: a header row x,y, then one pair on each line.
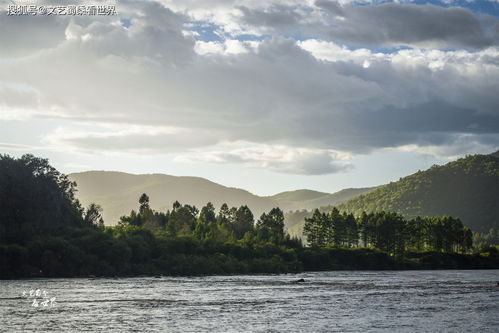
x,y
305,200
118,194
298,195
308,199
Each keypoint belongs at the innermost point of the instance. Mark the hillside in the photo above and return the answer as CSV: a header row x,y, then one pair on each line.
x,y
118,193
467,188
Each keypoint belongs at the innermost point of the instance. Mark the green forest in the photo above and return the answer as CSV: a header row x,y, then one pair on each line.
x,y
389,232
45,232
467,188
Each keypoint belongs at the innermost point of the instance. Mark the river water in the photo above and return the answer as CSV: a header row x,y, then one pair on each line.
x,y
342,301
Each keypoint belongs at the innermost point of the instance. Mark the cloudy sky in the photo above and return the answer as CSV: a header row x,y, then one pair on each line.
x,y
263,95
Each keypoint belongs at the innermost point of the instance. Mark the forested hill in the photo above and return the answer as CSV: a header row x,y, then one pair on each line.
x,y
467,188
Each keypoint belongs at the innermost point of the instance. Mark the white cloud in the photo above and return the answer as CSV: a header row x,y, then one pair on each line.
x,y
228,47
203,48
460,145
125,139
14,146
278,158
330,51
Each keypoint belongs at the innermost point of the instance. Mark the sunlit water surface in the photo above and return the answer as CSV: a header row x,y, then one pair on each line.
x,y
343,301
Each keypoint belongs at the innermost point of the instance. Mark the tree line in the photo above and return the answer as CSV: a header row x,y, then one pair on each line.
x,y
487,240
228,225
387,231
45,232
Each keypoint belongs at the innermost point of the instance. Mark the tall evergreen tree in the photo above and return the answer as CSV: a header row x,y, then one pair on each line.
x,y
270,227
244,221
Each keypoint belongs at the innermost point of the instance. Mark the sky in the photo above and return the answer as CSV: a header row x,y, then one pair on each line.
x,y
267,96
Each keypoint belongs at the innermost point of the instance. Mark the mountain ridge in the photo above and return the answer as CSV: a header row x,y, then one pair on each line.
x,y
118,192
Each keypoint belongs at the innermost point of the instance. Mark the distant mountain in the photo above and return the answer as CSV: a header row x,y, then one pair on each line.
x,y
467,188
307,199
338,197
298,196
118,194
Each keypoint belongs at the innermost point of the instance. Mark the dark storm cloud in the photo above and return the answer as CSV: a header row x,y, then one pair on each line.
x,y
22,35
382,25
333,7
274,16
431,123
393,24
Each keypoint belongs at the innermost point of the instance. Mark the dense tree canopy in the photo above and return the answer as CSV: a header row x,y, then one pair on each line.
x,y
467,188
34,196
231,224
387,231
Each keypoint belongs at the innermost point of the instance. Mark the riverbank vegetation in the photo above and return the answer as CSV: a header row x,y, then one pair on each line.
x,y
388,231
44,232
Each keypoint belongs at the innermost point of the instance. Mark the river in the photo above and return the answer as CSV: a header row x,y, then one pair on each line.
x,y
342,301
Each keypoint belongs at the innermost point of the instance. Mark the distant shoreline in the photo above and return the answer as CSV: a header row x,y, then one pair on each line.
x,y
329,260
